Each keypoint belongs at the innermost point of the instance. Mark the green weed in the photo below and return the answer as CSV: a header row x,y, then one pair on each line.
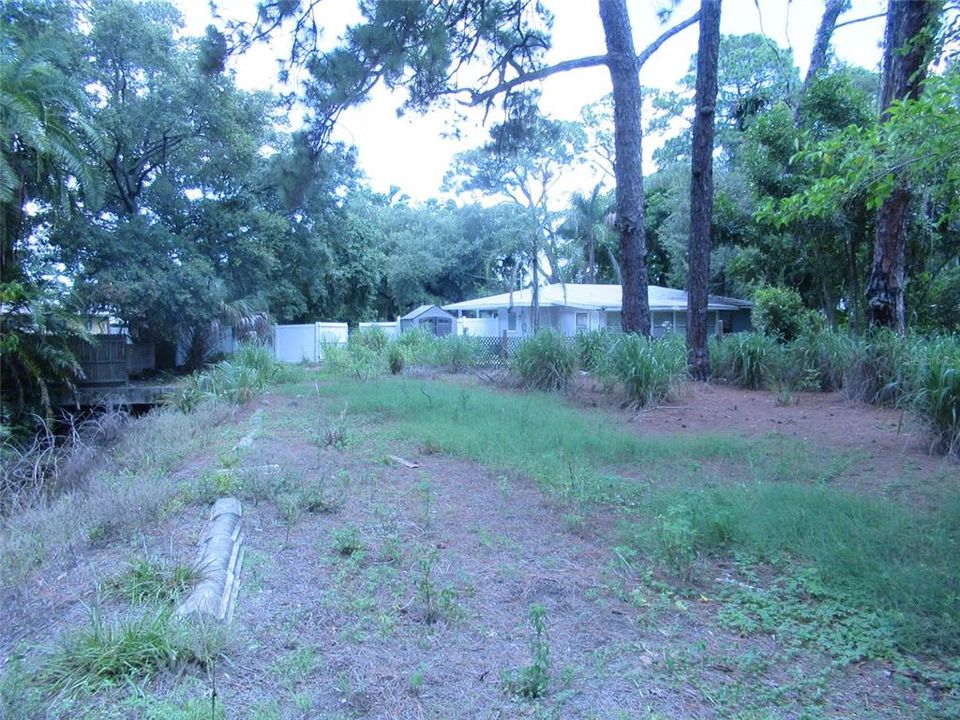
x,y
532,681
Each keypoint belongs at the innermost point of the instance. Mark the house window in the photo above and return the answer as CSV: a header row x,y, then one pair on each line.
x,y
583,322
512,320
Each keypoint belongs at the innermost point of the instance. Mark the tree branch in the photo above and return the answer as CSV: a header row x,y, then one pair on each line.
x,y
650,49
858,20
476,98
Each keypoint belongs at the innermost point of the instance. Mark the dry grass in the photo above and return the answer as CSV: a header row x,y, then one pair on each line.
x,y
104,493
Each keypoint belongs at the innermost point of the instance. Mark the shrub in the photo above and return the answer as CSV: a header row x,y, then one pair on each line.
x,y
779,313
533,680
591,348
745,359
649,370
418,346
545,361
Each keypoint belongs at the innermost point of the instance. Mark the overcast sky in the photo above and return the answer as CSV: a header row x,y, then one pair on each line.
x,y
411,153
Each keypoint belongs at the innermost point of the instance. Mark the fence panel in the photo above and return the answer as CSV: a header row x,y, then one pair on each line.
x,y
330,333
295,343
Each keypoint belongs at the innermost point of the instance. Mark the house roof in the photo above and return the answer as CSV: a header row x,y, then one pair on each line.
x,y
417,312
592,297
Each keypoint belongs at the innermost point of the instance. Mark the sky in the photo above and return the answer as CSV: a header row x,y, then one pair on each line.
x,y
412,152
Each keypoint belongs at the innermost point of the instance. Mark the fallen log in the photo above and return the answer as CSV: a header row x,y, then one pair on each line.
x,y
218,564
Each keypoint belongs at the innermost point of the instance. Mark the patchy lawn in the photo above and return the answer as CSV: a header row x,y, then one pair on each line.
x,y
722,557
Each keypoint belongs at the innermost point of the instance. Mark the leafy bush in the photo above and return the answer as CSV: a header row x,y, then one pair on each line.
x,y
418,346
779,312
745,359
591,348
545,361
649,370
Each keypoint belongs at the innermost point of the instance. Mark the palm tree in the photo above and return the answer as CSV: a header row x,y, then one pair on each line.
x,y
42,131
587,221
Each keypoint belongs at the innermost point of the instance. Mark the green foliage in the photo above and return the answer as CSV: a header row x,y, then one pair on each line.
x,y
437,601
395,359
237,380
373,339
778,312
934,390
347,541
675,535
824,356
591,348
649,370
455,353
894,565
545,361
533,680
126,650
39,334
878,372
745,359
149,582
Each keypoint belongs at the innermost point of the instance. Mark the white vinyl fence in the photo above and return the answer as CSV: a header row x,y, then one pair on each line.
x,y
304,343
390,329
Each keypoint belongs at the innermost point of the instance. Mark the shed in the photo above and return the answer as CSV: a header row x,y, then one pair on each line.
x,y
432,317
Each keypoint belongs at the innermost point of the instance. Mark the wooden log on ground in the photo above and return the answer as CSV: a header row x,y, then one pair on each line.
x,y
219,561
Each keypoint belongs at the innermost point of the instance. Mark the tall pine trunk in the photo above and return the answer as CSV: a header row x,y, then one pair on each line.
x,y
906,51
628,165
701,190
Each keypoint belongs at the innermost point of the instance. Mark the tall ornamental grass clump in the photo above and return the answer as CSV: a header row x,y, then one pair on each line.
x,y
245,374
934,389
546,361
649,370
749,360
591,348
877,373
823,356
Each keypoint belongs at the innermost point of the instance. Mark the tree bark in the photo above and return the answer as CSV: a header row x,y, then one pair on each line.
x,y
908,41
701,190
628,164
821,45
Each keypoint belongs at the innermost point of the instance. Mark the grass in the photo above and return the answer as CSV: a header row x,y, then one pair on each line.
x,y
533,433
151,582
885,559
878,557
133,649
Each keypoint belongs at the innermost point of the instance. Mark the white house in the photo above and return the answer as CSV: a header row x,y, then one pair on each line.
x,y
571,308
